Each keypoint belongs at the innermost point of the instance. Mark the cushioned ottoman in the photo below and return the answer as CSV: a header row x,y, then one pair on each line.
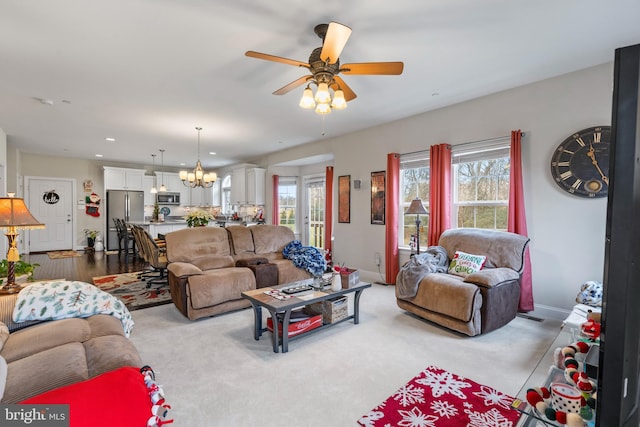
x,y
265,272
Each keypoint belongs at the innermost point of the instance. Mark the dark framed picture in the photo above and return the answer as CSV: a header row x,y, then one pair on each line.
x,y
377,197
344,198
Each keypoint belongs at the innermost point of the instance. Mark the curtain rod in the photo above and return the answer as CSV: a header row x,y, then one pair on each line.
x,y
497,138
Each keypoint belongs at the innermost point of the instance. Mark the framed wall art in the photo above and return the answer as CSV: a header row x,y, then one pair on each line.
x,y
344,198
377,197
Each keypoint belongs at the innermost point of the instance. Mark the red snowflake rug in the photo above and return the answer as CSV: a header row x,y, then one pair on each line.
x,y
436,398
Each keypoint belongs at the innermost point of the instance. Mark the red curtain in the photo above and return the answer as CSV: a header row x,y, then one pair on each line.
x,y
439,192
517,221
275,200
392,263
328,213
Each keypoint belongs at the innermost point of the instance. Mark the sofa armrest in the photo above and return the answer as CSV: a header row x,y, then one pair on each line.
x,y
182,269
491,277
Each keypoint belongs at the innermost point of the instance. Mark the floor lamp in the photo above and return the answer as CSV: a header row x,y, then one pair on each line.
x,y
417,208
14,215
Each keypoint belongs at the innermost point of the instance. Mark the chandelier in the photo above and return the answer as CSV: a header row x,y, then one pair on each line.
x,y
198,178
322,101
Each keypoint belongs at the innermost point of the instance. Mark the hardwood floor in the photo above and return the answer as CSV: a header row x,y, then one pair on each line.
x,y
85,267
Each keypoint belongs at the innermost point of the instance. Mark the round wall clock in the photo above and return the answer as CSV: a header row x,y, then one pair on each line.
x,y
580,164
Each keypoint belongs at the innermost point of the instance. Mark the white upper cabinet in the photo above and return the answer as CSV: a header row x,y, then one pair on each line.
x,y
248,186
123,178
149,199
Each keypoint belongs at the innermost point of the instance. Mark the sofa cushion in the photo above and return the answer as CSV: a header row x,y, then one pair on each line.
x,y
219,286
193,243
36,339
212,262
183,269
103,324
241,240
33,375
110,352
271,238
448,295
464,264
502,249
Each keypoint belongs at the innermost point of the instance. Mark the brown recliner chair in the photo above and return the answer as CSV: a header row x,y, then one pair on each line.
x,y
480,302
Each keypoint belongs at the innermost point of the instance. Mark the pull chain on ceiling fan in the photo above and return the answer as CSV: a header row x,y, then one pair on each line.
x,y
324,66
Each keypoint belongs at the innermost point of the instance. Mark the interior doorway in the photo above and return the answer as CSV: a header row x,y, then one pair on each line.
x,y
51,202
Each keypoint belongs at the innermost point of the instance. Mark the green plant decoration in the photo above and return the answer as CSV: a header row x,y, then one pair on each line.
x,y
198,218
21,268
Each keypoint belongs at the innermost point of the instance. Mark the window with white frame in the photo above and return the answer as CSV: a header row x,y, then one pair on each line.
x,y
414,182
481,184
287,201
226,194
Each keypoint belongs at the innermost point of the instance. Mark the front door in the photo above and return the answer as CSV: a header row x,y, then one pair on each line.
x,y
50,200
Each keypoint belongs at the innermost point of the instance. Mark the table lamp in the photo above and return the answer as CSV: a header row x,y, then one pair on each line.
x,y
14,215
417,208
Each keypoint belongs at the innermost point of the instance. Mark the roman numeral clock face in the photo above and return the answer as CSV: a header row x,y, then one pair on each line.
x,y
580,165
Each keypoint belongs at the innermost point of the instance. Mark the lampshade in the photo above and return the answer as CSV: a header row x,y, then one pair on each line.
x,y
338,102
14,213
323,108
307,101
322,94
416,208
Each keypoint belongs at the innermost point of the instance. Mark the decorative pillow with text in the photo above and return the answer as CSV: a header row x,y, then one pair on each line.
x,y
464,264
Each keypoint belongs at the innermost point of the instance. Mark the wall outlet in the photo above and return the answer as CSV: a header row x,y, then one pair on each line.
x,y
377,258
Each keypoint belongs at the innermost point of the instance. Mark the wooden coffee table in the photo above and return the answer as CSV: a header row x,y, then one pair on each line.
x,y
259,298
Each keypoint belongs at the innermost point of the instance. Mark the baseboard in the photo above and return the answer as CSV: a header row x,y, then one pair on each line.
x,y
548,312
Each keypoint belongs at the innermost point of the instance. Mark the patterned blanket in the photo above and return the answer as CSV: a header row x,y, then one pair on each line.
x,y
308,258
63,299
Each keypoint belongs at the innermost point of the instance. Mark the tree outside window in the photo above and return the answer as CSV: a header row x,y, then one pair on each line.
x,y
414,182
287,199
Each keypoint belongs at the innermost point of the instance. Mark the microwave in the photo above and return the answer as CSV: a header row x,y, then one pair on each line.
x,y
168,198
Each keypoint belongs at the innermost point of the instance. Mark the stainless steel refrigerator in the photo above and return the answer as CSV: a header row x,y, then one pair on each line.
x,y
127,205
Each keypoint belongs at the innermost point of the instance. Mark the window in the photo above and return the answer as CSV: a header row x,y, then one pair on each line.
x,y
226,194
287,200
480,193
481,185
414,182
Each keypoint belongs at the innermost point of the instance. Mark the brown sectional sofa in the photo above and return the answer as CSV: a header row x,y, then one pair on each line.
x,y
56,353
203,276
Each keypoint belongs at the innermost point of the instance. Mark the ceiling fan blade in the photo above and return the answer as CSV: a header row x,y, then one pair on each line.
x,y
379,68
274,58
340,84
334,41
294,84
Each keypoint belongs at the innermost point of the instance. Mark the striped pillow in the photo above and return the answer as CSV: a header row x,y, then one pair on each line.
x,y
7,302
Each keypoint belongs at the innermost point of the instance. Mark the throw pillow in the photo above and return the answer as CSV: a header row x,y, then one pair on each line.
x,y
7,303
464,264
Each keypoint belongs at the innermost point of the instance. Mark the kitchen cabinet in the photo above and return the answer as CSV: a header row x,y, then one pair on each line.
x,y
149,198
201,196
123,178
247,186
156,228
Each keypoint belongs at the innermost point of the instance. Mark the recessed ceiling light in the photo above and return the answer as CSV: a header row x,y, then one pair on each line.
x,y
182,164
98,155
110,139
213,153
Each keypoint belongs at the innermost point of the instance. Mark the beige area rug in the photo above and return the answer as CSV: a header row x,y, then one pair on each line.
x,y
63,254
133,291
215,374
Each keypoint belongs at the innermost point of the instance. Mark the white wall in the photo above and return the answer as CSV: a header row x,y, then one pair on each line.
x,y
567,232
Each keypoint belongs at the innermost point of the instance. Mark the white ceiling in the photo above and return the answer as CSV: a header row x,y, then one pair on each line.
x,y
147,72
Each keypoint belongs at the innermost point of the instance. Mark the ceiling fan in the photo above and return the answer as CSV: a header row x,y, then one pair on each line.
x,y
324,65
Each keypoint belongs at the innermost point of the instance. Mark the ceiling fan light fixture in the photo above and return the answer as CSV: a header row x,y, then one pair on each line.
x,y
307,101
338,102
322,94
323,108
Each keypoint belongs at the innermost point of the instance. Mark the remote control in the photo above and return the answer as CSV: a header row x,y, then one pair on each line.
x,y
296,289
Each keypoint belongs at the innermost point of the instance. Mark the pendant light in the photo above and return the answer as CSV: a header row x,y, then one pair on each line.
x,y
162,186
154,190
